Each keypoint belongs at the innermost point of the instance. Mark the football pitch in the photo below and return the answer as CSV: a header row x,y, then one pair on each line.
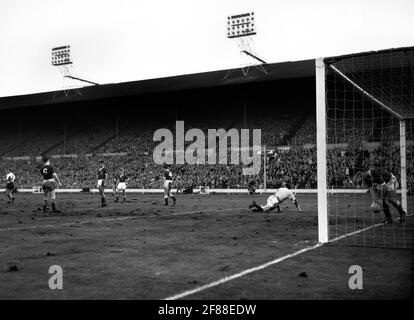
x,y
205,247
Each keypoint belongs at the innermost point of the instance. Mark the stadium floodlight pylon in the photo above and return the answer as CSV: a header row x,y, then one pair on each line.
x,y
61,58
365,118
242,28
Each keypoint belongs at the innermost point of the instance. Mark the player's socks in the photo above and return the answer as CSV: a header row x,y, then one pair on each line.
x,y
54,208
103,202
124,200
45,206
117,198
401,211
174,200
387,213
166,202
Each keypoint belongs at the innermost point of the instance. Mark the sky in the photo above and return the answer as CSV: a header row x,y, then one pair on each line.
x,y
127,40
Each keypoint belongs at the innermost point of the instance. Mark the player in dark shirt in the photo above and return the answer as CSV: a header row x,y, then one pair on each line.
x,y
102,175
382,186
114,184
50,183
251,188
121,185
168,179
179,184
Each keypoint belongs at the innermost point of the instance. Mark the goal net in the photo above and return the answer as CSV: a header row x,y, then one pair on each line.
x,y
366,111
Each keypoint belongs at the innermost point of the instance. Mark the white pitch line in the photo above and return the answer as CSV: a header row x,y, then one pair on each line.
x,y
263,266
98,220
239,275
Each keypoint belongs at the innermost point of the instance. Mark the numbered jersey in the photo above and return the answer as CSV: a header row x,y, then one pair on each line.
x,y
47,172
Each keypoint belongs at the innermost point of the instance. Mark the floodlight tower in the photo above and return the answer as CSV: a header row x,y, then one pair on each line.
x,y
61,59
242,28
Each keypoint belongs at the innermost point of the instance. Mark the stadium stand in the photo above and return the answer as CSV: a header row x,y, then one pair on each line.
x,y
132,150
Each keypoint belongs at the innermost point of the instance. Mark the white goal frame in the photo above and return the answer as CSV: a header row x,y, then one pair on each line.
x,y
321,145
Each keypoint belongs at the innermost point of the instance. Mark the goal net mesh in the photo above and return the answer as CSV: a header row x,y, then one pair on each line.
x,y
368,98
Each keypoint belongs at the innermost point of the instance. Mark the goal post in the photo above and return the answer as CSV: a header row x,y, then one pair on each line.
x,y
365,122
323,224
403,155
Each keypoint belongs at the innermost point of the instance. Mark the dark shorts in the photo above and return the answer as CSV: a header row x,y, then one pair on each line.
x,y
48,186
10,186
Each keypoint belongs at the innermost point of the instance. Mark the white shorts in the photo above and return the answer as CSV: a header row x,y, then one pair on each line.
x,y
167,188
101,183
121,186
271,202
167,184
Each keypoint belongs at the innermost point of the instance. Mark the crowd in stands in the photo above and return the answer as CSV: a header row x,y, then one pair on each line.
x,y
306,133
296,165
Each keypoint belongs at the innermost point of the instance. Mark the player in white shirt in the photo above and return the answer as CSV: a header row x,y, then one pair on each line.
x,y
10,187
275,200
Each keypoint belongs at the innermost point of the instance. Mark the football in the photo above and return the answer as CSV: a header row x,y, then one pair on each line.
x,y
376,207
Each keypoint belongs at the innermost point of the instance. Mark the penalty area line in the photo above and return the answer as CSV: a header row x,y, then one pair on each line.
x,y
263,266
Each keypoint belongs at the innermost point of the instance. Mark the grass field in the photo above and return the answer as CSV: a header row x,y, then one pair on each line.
x,y
143,250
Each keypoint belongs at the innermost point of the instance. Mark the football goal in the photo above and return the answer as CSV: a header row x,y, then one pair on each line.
x,y
365,130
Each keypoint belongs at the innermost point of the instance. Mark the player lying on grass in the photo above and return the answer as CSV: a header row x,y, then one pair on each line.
x,y
383,187
275,200
10,187
49,185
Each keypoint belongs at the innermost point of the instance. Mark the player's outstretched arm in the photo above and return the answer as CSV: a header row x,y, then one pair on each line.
x,y
55,176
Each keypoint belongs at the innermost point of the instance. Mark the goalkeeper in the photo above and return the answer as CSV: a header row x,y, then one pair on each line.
x,y
275,200
382,186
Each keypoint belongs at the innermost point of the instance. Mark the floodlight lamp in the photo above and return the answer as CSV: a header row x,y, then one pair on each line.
x,y
61,56
241,24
